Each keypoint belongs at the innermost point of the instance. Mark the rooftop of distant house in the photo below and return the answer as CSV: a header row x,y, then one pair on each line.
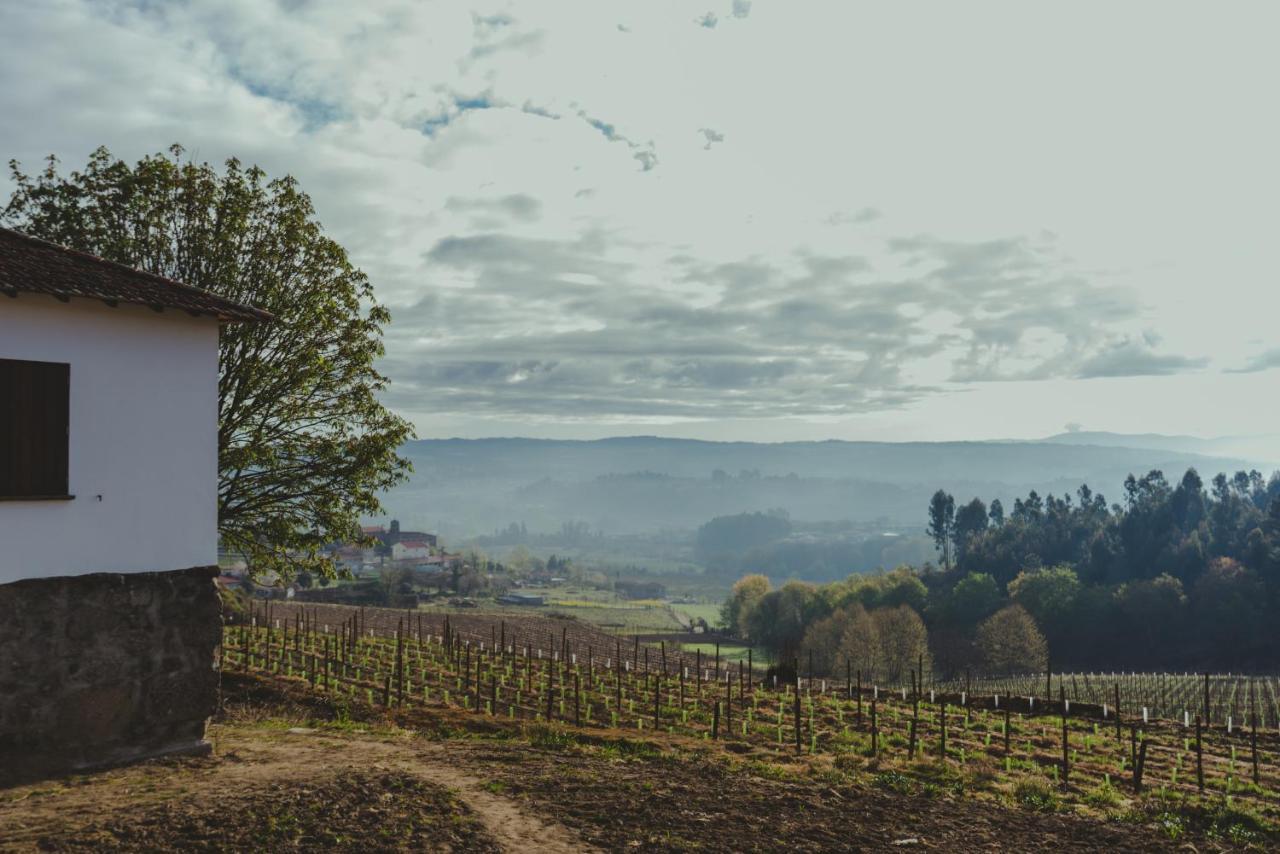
x,y
414,544
31,265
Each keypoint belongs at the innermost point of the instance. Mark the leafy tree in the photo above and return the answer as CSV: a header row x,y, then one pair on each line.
x,y
942,513
822,641
779,620
1154,610
860,643
996,513
1230,611
1010,643
878,590
304,445
747,593
970,521
1049,595
904,642
973,598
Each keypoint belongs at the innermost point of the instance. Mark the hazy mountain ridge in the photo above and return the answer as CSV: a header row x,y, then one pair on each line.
x,y
633,484
1255,447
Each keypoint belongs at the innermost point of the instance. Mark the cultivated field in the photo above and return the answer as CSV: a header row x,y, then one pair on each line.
x,y
1043,752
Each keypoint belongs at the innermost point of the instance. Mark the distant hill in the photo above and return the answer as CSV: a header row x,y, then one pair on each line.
x,y
643,484
1264,448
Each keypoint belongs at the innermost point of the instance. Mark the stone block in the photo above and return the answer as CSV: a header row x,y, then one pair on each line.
x,y
107,668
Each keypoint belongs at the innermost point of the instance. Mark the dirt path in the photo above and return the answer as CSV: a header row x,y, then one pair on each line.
x,y
509,821
248,761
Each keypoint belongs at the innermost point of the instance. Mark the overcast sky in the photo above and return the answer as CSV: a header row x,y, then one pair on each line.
x,y
759,220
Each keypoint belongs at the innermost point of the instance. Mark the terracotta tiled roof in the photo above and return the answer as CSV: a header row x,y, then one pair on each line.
x,y
30,265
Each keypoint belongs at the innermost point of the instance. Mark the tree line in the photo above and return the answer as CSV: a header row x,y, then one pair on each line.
x,y
1175,576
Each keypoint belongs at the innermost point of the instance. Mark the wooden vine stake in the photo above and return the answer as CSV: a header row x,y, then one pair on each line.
x,y
1253,731
1139,766
799,746
1199,757
1066,744
875,731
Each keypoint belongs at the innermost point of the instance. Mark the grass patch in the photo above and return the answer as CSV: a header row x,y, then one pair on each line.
x,y
1036,795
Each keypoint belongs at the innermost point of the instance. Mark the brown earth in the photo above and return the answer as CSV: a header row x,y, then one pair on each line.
x,y
292,772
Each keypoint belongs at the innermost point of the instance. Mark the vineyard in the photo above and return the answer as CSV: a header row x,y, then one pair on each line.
x,y
1156,739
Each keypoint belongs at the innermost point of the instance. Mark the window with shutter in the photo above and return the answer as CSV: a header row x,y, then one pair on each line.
x,y
34,420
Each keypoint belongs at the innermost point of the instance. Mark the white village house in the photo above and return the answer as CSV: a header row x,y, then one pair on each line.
x,y
410,550
109,620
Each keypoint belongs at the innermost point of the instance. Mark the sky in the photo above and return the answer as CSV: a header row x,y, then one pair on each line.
x,y
759,220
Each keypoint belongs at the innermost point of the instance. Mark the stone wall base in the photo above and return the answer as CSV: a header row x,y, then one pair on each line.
x,y
106,669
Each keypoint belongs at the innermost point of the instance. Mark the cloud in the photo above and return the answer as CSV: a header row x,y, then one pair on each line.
x,y
577,329
647,157
1130,358
472,163
711,137
517,207
1261,362
858,217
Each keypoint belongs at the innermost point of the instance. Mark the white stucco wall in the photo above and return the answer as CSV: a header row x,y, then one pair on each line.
x,y
143,440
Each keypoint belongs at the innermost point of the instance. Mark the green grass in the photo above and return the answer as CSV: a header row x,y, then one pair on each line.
x,y
728,652
710,613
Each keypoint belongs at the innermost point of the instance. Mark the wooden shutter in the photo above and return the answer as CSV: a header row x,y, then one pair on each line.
x,y
34,417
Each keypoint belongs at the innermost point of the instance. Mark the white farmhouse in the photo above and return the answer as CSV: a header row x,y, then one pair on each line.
x,y
410,550
108,507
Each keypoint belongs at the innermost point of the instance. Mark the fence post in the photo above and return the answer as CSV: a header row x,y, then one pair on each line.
x,y
915,725
942,743
1139,766
799,748
1253,731
1117,687
728,708
1066,757
1199,758
858,719
1207,720
875,731
715,721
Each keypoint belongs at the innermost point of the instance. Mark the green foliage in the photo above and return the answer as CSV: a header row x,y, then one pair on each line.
x,y
779,620
1047,594
878,590
1036,794
304,445
1010,643
1104,796
942,514
1176,574
974,598
746,595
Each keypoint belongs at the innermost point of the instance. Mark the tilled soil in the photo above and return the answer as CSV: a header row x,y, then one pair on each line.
x,y
291,772
349,812
652,803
